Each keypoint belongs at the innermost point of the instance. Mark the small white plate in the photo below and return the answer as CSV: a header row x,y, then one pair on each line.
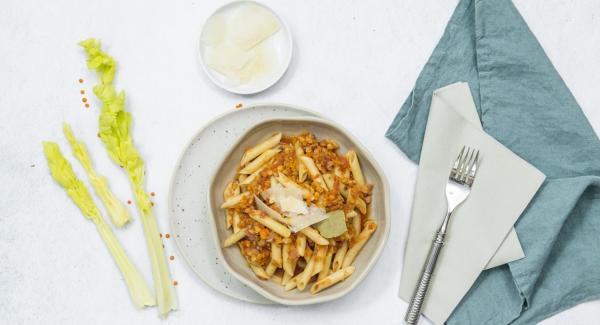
x,y
281,42
189,218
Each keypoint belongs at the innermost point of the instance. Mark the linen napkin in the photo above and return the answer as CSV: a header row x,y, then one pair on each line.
x,y
502,189
524,104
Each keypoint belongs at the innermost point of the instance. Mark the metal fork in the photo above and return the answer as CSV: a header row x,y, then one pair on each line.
x,y
458,188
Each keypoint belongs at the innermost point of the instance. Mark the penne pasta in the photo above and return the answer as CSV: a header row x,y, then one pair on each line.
x,y
313,171
288,264
276,255
235,221
260,272
228,219
276,278
356,224
291,284
248,179
319,257
281,178
305,276
301,263
286,278
232,189
363,237
327,265
234,238
259,161
339,257
270,212
361,205
242,178
234,200
355,167
332,279
300,243
270,223
270,269
260,148
314,235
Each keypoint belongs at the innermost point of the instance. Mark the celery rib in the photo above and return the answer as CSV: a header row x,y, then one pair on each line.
x,y
114,123
116,210
62,172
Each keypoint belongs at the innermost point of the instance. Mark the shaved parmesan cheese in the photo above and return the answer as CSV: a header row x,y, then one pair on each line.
x,y
301,221
252,24
226,59
293,205
215,30
289,200
235,44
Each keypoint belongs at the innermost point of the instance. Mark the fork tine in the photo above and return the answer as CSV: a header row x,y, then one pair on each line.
x,y
469,166
473,169
463,165
455,169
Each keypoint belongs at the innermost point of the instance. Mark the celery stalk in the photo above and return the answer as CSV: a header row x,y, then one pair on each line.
x,y
116,210
114,123
63,173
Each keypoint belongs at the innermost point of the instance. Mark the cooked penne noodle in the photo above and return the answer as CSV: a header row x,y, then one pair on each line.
x,y
355,167
300,243
356,224
270,269
361,205
228,219
313,171
281,178
236,221
234,238
232,189
262,206
260,272
301,263
277,278
270,223
327,265
286,260
242,178
285,278
260,148
259,161
250,178
339,257
319,257
363,237
329,180
276,255
291,284
332,279
305,276
234,200
314,235
301,168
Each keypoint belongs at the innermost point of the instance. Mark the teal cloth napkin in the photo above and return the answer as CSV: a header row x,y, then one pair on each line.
x,y
523,103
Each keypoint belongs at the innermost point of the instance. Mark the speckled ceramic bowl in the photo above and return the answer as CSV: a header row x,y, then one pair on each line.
x,y
233,260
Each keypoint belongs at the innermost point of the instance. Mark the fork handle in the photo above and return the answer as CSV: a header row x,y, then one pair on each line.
x,y
416,303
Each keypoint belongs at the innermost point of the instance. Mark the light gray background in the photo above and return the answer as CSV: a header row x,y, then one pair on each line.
x,y
354,61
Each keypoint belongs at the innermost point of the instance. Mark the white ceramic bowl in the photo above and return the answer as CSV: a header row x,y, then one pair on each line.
x,y
280,42
232,258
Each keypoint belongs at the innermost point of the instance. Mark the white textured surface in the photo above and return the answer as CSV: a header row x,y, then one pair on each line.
x,y
354,61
